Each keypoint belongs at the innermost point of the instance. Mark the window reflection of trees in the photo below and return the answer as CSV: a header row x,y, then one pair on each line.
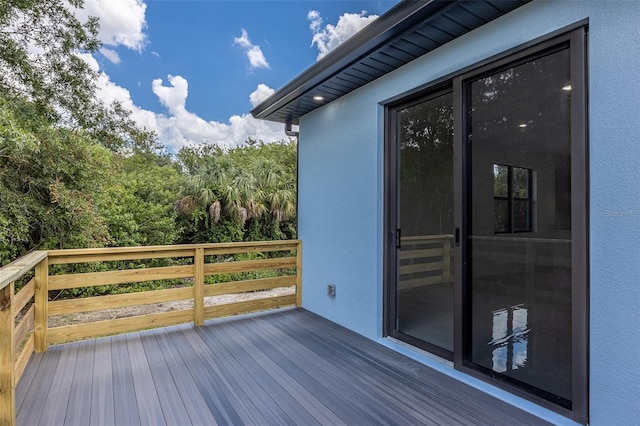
x,y
426,166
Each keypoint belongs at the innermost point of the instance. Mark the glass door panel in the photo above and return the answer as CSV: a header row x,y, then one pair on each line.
x,y
519,236
424,287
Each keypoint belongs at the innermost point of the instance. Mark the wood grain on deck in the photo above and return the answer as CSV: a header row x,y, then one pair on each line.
x,y
280,367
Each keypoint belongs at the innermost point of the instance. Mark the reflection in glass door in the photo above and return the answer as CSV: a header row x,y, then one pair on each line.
x,y
519,269
424,286
510,184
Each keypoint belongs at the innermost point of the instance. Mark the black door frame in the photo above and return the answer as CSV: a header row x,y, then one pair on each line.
x,y
576,38
391,214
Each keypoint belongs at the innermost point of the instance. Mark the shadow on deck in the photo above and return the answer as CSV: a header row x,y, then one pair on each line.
x,y
280,367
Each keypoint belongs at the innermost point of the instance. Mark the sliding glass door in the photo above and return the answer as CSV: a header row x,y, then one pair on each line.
x,y
486,222
518,252
424,288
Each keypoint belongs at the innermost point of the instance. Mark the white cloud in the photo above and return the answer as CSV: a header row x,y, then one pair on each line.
x,y
173,97
182,127
111,55
331,36
254,53
260,94
122,22
110,92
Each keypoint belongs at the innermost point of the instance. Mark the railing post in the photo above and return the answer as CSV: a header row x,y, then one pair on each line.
x,y
299,274
446,260
7,355
198,287
42,305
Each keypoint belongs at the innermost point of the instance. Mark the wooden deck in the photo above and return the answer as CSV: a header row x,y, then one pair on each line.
x,y
281,367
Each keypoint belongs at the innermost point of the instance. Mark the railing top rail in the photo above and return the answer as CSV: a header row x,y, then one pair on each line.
x,y
426,237
19,267
507,238
172,248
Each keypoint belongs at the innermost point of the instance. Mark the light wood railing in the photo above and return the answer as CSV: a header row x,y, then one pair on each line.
x,y
24,326
14,350
425,260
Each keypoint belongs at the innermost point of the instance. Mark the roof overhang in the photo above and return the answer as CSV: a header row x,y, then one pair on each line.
x,y
405,32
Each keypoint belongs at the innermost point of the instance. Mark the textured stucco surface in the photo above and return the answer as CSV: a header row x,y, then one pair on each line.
x,y
341,189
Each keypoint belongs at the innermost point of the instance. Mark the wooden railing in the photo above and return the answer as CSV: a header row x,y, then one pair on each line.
x,y
25,316
425,260
14,351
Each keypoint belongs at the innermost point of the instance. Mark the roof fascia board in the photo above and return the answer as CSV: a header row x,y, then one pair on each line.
x,y
397,21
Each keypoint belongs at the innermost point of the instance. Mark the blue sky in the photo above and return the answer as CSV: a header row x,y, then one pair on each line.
x,y
192,70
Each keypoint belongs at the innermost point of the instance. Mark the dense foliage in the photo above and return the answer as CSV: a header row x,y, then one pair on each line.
x,y
77,173
60,188
49,180
247,193
41,47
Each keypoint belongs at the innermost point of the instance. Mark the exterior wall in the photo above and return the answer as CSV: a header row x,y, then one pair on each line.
x,y
341,191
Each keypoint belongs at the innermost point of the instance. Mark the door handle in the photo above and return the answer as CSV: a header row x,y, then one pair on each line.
x,y
398,236
457,237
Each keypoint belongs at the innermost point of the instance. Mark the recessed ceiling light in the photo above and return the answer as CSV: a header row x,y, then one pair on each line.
x,y
522,126
566,88
318,98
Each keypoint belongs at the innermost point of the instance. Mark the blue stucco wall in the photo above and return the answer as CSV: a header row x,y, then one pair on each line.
x,y
341,191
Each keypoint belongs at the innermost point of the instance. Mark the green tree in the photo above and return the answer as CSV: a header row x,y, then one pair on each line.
x,y
63,180
426,166
249,192
138,205
39,45
49,177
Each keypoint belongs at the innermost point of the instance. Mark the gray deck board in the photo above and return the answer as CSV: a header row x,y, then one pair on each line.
x,y
205,373
330,384
194,402
27,378
79,405
149,408
282,388
169,397
102,406
438,396
30,411
318,375
396,402
245,390
57,401
282,367
124,394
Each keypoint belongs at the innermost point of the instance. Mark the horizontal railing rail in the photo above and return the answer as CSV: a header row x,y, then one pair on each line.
x,y
17,339
425,260
200,273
